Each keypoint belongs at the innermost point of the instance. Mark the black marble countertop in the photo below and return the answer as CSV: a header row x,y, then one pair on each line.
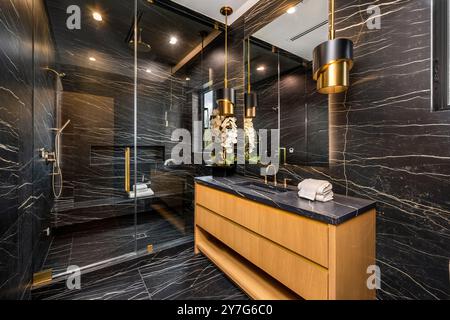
x,y
341,209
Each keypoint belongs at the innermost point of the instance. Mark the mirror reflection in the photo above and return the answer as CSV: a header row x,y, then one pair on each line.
x,y
279,63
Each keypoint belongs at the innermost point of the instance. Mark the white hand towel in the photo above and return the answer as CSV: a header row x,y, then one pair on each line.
x,y
140,187
141,194
325,198
319,186
307,193
320,198
310,189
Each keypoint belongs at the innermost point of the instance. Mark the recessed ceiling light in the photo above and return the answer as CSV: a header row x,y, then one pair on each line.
x,y
261,68
188,79
291,10
173,40
92,59
97,16
148,71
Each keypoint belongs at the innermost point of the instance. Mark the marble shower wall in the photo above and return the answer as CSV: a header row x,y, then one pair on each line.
x,y
100,106
27,97
386,145
98,98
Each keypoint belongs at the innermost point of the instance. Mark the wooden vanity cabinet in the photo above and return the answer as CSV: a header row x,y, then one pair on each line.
x,y
274,254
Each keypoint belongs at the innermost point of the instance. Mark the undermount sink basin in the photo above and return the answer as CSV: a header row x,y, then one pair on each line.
x,y
258,186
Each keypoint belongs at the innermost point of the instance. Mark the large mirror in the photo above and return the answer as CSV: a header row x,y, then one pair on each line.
x,y
278,64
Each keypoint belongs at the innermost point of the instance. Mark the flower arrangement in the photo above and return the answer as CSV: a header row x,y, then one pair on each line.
x,y
225,129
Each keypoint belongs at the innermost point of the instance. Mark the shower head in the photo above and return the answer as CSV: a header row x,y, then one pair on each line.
x,y
59,74
141,45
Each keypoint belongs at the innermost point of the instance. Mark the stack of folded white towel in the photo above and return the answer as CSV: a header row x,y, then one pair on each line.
x,y
316,190
141,190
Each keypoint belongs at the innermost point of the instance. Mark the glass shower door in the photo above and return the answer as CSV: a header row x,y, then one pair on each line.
x,y
84,129
169,88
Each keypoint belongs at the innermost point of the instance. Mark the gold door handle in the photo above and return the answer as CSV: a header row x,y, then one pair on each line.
x,y
127,169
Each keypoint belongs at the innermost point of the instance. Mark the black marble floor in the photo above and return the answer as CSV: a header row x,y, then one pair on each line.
x,y
172,274
89,243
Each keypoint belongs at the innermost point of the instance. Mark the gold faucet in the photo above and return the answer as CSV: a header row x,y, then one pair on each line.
x,y
285,182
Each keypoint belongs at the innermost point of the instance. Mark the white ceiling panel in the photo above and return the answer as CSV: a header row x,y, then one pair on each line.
x,y
309,14
211,8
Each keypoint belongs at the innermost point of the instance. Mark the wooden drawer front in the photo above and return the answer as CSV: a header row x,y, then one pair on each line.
x,y
307,237
307,279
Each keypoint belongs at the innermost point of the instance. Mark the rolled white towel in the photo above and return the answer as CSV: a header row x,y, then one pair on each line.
x,y
141,194
311,188
307,193
319,186
140,187
321,198
325,198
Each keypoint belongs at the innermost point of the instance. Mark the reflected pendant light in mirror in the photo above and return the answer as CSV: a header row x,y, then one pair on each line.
x,y
226,97
332,62
250,98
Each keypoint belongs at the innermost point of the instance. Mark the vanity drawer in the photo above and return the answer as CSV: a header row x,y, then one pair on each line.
x,y
306,237
307,279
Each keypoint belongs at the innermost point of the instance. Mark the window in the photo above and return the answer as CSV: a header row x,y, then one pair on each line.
x,y
208,104
441,50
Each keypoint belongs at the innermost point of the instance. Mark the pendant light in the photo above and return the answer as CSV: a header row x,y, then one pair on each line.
x,y
332,62
226,97
250,98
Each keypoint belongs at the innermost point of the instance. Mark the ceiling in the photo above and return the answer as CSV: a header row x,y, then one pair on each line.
x,y
211,8
106,40
262,56
309,14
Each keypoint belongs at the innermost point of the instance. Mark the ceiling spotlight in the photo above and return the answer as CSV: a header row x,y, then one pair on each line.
x,y
188,79
261,68
97,16
92,59
148,71
291,10
173,40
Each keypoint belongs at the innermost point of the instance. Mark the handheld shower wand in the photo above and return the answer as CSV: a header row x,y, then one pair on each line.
x,y
57,164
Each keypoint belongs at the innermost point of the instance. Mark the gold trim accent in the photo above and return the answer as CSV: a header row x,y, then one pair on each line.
x,y
250,112
226,11
42,278
150,248
326,66
249,70
127,169
226,107
332,32
335,78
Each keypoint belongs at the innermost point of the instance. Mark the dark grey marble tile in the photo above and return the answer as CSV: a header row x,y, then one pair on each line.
x,y
105,239
175,273
185,276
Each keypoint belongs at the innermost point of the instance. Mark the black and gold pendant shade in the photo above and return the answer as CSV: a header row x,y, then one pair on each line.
x,y
251,102
226,97
332,62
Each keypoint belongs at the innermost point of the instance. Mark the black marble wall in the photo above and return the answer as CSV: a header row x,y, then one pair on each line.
x,y
27,97
386,145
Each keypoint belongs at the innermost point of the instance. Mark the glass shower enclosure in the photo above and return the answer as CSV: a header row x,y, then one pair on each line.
x,y
109,92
